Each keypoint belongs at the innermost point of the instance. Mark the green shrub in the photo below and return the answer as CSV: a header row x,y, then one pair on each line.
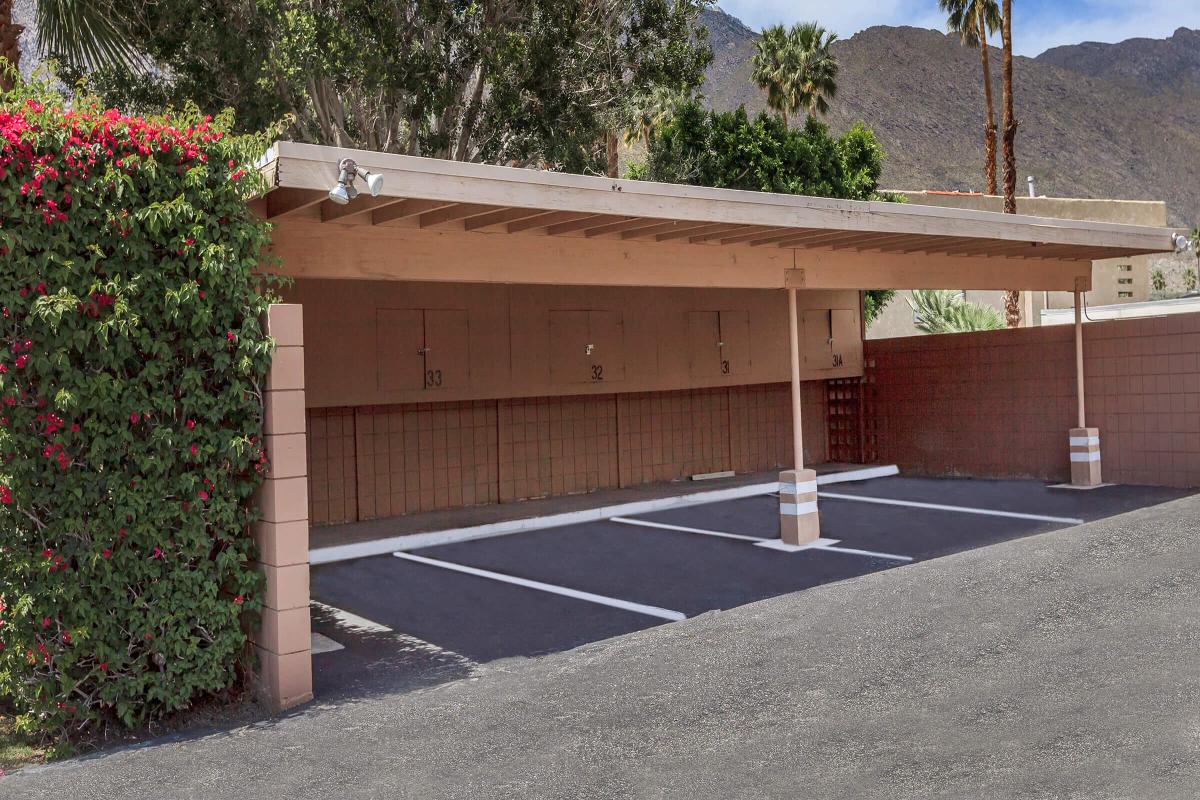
x,y
130,382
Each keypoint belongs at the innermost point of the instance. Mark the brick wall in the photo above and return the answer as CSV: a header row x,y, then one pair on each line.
x,y
1000,403
377,461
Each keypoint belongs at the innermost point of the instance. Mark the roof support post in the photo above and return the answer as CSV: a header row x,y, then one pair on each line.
x,y
1084,441
798,521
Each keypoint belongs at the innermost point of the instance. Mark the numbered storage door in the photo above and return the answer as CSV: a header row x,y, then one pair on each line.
x,y
447,349
399,346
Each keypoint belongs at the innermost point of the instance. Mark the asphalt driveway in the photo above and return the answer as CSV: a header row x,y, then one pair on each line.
x,y
1057,665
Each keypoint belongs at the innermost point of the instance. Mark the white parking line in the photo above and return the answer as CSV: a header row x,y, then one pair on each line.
x,y
870,553
684,529
990,512
599,599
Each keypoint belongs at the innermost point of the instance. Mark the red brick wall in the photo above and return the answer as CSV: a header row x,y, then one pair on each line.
x,y
378,461
1000,404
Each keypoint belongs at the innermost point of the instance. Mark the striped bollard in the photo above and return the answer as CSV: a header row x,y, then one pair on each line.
x,y
1085,456
798,521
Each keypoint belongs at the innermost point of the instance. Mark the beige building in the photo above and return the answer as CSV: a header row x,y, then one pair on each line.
x,y
1114,280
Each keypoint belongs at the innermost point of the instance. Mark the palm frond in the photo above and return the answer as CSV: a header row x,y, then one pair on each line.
x,y
86,33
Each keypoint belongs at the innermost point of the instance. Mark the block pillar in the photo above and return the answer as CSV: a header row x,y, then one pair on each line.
x,y
1083,442
283,643
798,520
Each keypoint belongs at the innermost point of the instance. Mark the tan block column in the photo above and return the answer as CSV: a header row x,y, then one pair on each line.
x,y
1085,456
283,643
798,521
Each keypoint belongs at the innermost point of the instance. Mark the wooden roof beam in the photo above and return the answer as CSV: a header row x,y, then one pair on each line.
x,y
504,216
546,220
727,229
454,213
820,239
405,209
585,223
673,229
360,206
282,202
761,233
622,225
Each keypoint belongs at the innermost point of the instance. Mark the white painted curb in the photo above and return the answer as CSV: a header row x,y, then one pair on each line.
x,y
416,541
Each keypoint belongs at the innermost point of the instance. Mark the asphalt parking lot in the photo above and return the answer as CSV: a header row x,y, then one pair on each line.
x,y
425,616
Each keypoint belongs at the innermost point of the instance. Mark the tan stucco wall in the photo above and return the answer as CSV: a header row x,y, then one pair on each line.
x,y
502,341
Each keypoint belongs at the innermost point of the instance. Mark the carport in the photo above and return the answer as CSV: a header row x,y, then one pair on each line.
x,y
479,335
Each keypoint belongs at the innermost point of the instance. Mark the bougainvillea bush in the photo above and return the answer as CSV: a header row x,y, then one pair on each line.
x,y
131,372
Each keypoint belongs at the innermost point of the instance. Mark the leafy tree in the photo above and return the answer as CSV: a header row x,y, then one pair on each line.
x,y
973,20
729,149
947,311
873,303
797,68
527,82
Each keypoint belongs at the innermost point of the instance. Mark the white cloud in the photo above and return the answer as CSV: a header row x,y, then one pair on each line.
x,y
1036,26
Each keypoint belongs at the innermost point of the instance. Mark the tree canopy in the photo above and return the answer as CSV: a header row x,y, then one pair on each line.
x,y
729,149
797,69
504,81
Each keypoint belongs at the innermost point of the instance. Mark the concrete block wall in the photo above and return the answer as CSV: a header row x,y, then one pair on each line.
x,y
1000,403
283,642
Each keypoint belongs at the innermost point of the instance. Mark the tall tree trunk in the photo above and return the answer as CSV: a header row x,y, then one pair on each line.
x,y
989,129
613,161
1012,298
10,46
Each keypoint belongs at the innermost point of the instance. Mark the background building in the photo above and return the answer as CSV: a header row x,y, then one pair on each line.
x,y
1114,281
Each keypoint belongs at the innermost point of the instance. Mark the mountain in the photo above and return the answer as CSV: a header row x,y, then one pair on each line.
x,y
1096,120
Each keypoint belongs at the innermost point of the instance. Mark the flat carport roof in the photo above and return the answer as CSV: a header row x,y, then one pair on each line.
x,y
817,242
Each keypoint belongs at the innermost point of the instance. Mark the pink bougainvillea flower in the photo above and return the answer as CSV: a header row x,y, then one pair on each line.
x,y
191,423
105,553
104,666
193,450
237,601
133,418
45,622
230,335
156,553
6,497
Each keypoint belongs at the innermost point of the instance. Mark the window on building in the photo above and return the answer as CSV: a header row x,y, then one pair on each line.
x,y
1125,267
1124,294
1125,280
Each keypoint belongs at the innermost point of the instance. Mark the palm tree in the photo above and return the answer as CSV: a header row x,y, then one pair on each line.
x,y
973,20
89,33
797,68
948,311
1012,298
651,111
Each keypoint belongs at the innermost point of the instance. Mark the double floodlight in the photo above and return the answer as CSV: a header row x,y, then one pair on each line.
x,y
348,170
1182,243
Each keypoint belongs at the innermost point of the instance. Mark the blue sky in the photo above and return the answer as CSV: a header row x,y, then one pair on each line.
x,y
1037,24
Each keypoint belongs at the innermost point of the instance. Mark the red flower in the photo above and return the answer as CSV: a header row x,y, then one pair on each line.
x,y
203,495
105,553
22,361
5,495
104,666
237,601
229,335
191,423
133,418
156,553
45,622
193,450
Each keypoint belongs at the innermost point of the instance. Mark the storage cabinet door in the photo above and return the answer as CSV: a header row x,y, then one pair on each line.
x,y
447,349
735,342
816,333
844,333
607,359
704,343
570,361
399,341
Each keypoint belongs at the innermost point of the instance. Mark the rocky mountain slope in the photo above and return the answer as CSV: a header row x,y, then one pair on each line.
x,y
1096,120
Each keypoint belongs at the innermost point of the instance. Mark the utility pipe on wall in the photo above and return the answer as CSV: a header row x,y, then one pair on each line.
x,y
794,342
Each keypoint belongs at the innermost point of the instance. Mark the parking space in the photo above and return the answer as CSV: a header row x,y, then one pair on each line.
x,y
430,614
